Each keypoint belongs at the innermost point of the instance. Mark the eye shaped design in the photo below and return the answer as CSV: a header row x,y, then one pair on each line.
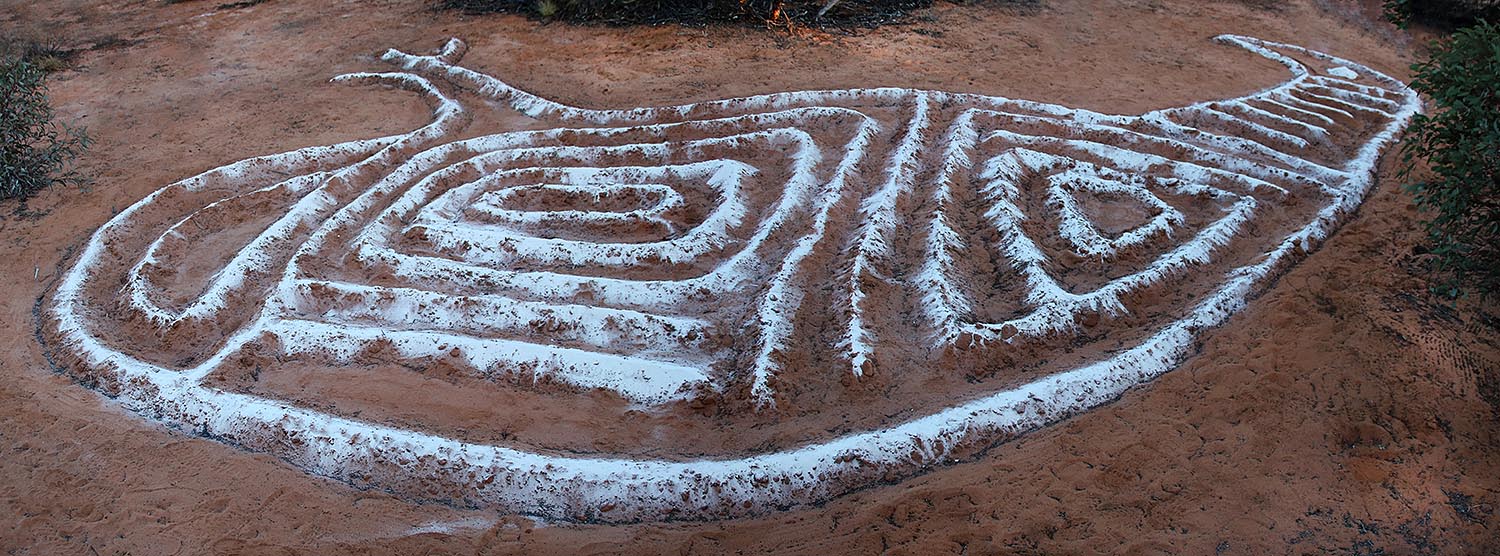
x,y
709,310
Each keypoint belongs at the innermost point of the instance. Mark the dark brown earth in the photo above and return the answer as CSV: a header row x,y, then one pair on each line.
x,y
1346,411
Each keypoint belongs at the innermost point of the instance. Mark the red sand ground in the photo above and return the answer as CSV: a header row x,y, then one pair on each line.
x,y
1346,411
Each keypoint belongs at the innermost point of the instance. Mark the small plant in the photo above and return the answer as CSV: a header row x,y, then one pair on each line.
x,y
1460,140
1397,12
1446,14
47,56
700,12
36,151
547,8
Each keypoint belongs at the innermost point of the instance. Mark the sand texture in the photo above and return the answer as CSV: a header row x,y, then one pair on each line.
x,y
1024,282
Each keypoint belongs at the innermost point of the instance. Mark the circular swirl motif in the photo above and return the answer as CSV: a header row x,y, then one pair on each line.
x,y
709,310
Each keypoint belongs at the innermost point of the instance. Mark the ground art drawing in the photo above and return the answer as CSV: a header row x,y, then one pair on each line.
x,y
710,310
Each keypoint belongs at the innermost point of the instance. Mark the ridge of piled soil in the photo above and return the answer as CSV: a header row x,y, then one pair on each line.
x,y
1343,409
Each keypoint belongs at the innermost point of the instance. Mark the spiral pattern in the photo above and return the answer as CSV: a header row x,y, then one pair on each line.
x,y
743,249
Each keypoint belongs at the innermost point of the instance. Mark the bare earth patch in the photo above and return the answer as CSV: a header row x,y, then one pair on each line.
x,y
1343,410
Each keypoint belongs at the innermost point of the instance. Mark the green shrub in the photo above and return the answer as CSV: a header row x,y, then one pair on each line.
x,y
1460,140
1447,14
624,12
46,56
36,151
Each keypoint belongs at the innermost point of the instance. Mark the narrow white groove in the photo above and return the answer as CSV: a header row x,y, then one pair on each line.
x,y
1346,104
872,245
1308,113
1232,119
1294,99
1353,96
779,304
637,379
942,300
397,307
1315,130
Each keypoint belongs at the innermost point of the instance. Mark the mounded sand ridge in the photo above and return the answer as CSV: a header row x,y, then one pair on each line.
x,y
791,295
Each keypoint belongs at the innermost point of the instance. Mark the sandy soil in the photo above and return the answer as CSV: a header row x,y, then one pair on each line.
x,y
1346,411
